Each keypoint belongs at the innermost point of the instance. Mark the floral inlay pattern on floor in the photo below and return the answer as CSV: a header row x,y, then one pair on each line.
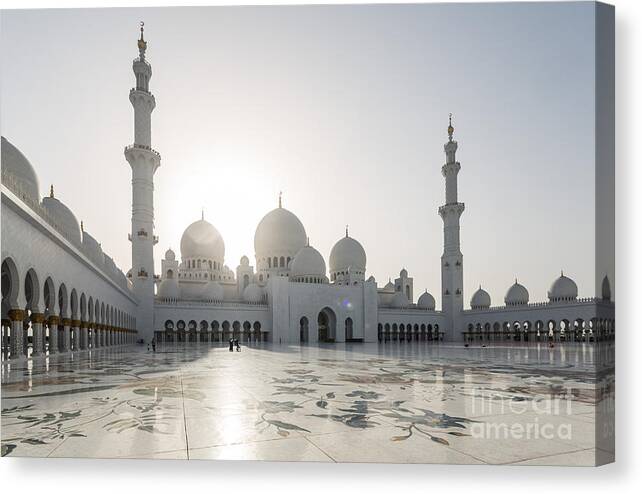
x,y
202,401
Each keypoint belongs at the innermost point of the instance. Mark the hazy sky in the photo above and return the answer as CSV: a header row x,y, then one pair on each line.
x,y
344,109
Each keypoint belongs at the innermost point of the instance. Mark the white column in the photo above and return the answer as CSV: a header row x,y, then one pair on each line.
x,y
75,327
37,319
53,334
66,334
17,334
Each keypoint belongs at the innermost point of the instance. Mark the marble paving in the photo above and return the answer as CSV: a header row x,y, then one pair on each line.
x,y
400,403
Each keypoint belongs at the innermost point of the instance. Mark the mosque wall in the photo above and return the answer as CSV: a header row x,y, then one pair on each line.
x,y
36,249
350,310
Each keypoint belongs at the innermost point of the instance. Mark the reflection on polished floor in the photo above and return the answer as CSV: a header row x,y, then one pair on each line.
x,y
400,403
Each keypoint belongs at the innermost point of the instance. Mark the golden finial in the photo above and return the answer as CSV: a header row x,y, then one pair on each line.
x,y
308,242
202,214
82,226
51,194
142,44
280,194
346,231
451,129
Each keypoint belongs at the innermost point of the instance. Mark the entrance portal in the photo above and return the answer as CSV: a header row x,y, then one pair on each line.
x,y
303,330
327,324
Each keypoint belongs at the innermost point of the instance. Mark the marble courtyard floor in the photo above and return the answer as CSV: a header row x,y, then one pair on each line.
x,y
401,402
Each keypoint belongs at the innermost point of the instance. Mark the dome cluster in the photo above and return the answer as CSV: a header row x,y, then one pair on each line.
x,y
281,249
563,289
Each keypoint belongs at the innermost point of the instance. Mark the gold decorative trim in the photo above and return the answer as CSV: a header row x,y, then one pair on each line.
x,y
75,323
16,314
66,321
37,318
53,320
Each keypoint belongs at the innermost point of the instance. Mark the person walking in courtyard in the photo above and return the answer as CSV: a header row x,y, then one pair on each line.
x,y
231,345
238,345
154,345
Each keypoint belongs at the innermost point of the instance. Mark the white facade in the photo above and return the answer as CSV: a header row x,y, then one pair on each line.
x,y
55,274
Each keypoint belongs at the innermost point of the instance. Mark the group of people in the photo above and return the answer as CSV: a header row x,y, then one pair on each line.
x,y
234,343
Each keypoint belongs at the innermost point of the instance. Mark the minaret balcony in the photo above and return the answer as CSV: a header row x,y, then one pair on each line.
x,y
452,208
139,147
155,239
142,274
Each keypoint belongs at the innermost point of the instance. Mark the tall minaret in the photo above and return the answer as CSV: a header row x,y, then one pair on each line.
x,y
144,161
452,260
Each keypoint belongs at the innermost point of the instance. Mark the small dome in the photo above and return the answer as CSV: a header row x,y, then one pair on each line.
x,y
253,293
480,299
389,287
399,301
92,248
279,233
245,261
371,279
64,219
170,255
516,295
563,288
213,292
307,263
426,301
347,253
606,288
169,290
403,273
18,167
202,240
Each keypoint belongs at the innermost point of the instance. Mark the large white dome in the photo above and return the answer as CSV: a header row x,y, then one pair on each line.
x,y
346,254
202,240
480,299
562,289
280,233
516,295
20,170
308,263
64,219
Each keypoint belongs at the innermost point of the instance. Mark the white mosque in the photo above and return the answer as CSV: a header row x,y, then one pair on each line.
x,y
61,292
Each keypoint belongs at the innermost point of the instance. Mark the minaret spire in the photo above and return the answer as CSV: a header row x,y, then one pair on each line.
x,y
346,231
280,194
142,44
